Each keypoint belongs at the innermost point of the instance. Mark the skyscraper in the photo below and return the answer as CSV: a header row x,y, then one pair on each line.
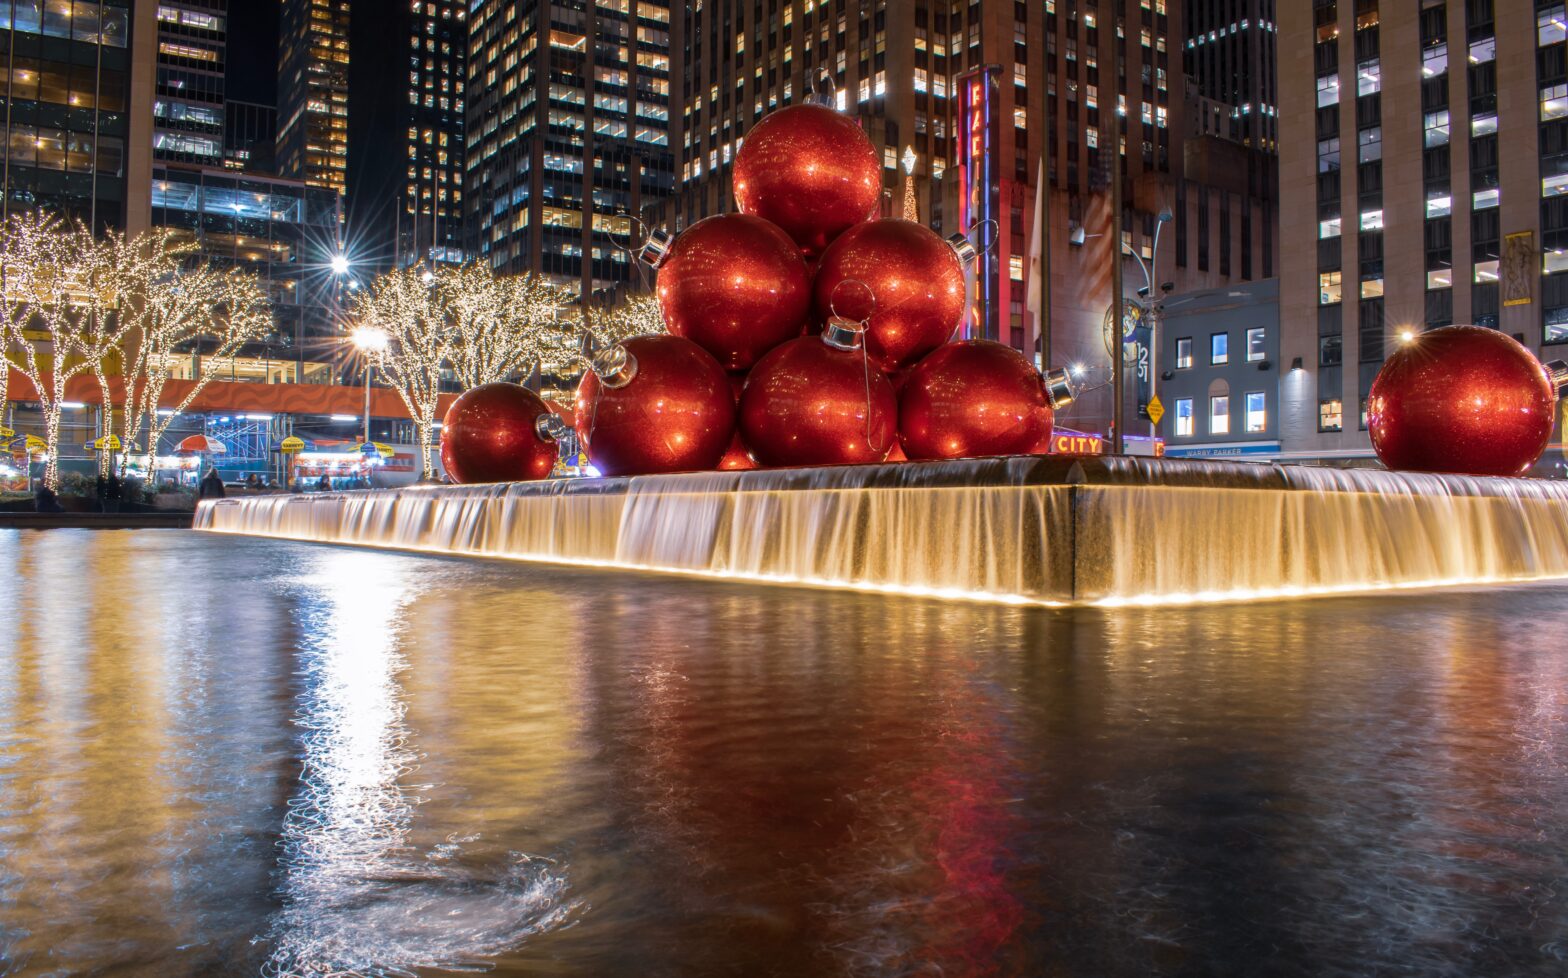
x,y
77,143
1434,136
188,107
313,65
1230,57
407,134
568,133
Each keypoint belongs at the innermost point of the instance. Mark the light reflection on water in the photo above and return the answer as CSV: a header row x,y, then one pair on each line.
x,y
230,756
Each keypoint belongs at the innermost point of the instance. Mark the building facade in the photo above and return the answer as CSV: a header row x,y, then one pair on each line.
x,y
73,135
1434,136
568,123
1219,372
313,66
250,137
406,153
189,105
983,98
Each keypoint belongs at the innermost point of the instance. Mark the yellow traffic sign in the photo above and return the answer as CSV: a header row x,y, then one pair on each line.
x,y
1156,409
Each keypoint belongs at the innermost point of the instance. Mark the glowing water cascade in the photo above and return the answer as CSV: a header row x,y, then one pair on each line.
x,y
1029,529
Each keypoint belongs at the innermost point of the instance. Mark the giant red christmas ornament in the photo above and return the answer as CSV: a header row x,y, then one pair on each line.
x,y
498,433
734,285
977,398
1463,399
902,279
654,404
815,401
736,457
811,171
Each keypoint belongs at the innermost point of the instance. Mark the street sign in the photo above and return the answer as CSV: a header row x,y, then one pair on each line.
x,y
1156,409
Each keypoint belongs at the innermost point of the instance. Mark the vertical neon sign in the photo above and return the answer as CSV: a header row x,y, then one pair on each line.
x,y
978,192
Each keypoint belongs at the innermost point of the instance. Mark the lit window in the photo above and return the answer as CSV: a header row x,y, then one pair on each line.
x,y
1257,411
1483,51
1219,348
1555,324
1486,271
1184,417
1482,199
1483,125
1184,353
1329,288
1329,415
1554,102
1553,186
1328,155
1219,415
1554,261
1437,128
1434,60
1440,278
1371,288
1441,204
1255,338
1550,25
1328,228
1372,220
1328,90
1369,77
1369,145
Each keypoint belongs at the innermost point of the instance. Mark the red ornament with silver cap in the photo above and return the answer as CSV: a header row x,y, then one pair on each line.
x,y
733,284
915,281
1463,399
810,170
499,433
817,401
978,398
654,404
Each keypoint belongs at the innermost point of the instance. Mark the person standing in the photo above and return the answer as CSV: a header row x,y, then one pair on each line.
x,y
211,486
114,491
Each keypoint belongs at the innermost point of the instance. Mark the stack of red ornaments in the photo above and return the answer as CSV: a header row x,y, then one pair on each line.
x,y
805,331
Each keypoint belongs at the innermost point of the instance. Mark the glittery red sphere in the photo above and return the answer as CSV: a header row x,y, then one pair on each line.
x,y
811,171
736,286
1461,399
973,399
677,413
806,404
488,435
915,278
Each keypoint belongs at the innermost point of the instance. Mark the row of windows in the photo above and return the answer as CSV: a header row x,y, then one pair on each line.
x,y
1255,418
1219,348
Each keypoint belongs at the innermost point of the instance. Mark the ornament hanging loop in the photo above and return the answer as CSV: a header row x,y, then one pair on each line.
x,y
843,332
614,366
825,92
964,247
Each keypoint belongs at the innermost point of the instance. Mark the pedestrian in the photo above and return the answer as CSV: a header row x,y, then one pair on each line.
x,y
45,501
324,484
252,483
211,485
101,490
114,492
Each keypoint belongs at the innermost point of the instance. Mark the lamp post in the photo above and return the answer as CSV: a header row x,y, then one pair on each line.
x,y
369,341
1152,307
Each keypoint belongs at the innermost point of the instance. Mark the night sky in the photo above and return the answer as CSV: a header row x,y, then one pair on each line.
x,y
253,51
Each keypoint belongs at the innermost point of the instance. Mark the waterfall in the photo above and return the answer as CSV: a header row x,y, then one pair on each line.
x,y
1031,529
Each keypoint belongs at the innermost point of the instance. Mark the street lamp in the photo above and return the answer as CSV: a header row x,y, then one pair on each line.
x,y
369,340
340,264
1152,307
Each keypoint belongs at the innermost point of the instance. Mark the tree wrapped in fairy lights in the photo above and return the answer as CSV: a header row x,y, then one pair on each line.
x,y
603,326
506,326
401,324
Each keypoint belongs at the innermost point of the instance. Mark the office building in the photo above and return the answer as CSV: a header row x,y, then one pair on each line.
x,y
77,116
188,107
978,94
250,137
569,129
1229,56
407,133
1427,145
313,66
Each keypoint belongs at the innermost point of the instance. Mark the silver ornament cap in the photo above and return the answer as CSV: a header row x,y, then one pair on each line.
x,y
843,333
614,366
1060,388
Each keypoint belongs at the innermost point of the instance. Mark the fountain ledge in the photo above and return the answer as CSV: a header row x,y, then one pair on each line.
x,y
1042,530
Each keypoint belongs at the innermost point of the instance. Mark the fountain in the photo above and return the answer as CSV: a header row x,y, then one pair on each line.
x,y
1028,529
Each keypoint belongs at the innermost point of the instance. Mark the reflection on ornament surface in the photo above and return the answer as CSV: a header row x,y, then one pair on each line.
x,y
490,434
972,399
808,403
1462,399
811,171
913,295
675,412
736,286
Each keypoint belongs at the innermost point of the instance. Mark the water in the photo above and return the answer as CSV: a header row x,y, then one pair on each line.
x,y
237,756
1048,531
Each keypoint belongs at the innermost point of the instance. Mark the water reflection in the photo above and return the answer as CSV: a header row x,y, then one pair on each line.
x,y
358,897
284,759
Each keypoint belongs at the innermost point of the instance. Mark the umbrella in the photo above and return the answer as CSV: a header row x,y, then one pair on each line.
x,y
200,443
293,445
30,445
375,448
109,443
6,432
